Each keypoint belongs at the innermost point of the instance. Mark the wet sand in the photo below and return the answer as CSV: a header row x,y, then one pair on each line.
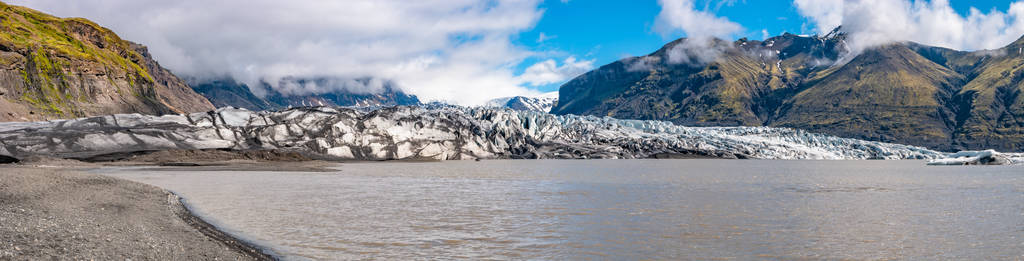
x,y
53,210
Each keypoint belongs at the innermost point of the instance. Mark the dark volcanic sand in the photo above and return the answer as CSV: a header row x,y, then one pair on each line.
x,y
55,213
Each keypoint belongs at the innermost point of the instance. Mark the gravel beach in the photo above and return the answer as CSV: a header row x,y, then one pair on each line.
x,y
57,212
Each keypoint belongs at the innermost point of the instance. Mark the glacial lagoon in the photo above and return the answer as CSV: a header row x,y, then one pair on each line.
x,y
614,209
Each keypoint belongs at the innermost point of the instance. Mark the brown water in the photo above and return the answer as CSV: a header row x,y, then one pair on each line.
x,y
617,209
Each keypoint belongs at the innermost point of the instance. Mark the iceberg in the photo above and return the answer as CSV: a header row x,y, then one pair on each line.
x,y
438,132
985,157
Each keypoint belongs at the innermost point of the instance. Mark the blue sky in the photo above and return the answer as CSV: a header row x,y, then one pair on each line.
x,y
608,30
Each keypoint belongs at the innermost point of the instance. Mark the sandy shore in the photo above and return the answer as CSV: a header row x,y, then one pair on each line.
x,y
62,213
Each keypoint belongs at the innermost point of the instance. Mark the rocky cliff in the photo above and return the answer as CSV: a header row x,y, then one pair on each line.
x,y
54,68
903,93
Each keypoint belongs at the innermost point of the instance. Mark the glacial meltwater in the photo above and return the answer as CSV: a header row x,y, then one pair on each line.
x,y
615,209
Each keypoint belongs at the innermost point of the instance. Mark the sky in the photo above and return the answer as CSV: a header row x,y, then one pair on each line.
x,y
469,51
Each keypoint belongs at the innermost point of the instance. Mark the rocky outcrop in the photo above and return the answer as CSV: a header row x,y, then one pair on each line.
x,y
434,132
53,68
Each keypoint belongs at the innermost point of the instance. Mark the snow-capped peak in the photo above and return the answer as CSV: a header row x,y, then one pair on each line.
x,y
539,103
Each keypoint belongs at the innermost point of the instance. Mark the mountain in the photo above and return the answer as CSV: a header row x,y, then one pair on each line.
x,y
542,103
227,92
54,67
539,104
994,118
741,88
889,93
903,92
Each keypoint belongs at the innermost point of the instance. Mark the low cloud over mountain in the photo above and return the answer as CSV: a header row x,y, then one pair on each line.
x,y
873,23
459,51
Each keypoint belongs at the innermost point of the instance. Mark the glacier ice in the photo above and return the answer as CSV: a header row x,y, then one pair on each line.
x,y
428,132
985,157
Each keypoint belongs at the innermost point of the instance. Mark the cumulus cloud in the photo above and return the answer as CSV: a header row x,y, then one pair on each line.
x,y
697,52
826,14
877,22
548,71
701,28
682,15
459,51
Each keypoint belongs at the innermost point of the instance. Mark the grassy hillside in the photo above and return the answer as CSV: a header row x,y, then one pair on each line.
x,y
71,67
996,116
888,94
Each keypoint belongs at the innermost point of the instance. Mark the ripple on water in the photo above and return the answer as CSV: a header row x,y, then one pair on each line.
x,y
637,209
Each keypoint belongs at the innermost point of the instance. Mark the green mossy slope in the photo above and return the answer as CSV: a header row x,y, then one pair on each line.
x,y
72,67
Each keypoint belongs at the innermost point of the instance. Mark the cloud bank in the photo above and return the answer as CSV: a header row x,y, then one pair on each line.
x,y
549,72
876,22
459,51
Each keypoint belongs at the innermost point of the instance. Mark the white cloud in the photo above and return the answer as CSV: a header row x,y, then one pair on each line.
x,y
876,22
548,71
700,27
453,50
826,14
681,15
544,37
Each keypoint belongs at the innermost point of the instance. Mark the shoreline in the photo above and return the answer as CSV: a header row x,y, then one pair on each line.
x,y
44,186
64,212
242,246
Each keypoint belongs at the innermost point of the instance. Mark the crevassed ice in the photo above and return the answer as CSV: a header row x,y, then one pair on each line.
x,y
429,132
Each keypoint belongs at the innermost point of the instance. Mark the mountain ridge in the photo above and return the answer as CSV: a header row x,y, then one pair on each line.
x,y
901,92
540,103
230,93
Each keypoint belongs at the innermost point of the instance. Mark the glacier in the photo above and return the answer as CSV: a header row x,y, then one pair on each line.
x,y
433,132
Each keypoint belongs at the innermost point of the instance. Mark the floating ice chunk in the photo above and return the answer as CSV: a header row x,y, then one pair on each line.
x,y
985,157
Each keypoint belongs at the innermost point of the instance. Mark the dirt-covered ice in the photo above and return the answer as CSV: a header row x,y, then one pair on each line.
x,y
431,132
